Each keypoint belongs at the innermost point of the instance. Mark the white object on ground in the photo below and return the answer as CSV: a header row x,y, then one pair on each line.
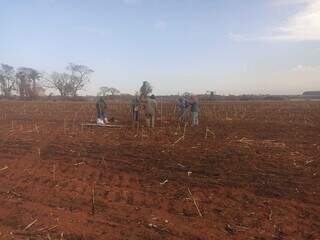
x,y
100,122
164,182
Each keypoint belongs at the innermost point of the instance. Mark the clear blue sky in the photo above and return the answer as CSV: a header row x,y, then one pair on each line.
x,y
230,46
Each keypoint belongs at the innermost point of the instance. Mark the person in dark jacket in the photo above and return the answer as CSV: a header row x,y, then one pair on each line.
x,y
101,111
135,108
194,110
183,105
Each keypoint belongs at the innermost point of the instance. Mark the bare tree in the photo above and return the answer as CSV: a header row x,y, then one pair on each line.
x,y
60,82
27,81
145,89
69,84
103,91
79,77
7,79
114,91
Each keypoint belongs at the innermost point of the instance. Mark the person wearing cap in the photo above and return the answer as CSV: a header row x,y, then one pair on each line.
x,y
150,111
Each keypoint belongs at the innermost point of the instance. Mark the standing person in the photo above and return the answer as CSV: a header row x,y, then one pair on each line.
x,y
150,111
101,111
183,107
194,110
135,108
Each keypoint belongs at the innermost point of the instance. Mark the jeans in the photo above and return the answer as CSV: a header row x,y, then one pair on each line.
x,y
102,115
183,115
195,118
135,116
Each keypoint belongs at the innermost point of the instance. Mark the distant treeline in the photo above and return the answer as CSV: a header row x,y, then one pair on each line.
x,y
311,93
202,97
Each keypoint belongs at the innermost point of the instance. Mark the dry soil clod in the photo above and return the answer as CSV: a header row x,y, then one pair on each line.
x,y
93,202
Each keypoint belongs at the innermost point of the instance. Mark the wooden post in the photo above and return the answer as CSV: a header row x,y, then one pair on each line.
x,y
160,111
195,203
54,172
64,126
92,203
39,154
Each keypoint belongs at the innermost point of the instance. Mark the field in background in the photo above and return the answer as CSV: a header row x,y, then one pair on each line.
x,y
250,171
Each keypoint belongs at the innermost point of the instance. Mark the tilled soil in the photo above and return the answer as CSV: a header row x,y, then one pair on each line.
x,y
253,179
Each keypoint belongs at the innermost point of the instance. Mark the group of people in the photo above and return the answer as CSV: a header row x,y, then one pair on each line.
x,y
184,103
148,106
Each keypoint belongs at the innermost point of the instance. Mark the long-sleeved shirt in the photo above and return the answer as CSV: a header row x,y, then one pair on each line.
x,y
101,106
182,104
194,105
151,106
135,105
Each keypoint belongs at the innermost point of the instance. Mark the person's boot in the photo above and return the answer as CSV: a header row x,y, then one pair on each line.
x,y
100,122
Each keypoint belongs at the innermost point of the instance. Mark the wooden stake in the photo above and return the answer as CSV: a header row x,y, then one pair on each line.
x,y
182,137
4,168
39,153
184,129
47,228
195,203
141,134
30,225
37,129
54,172
161,112
64,126
209,131
92,203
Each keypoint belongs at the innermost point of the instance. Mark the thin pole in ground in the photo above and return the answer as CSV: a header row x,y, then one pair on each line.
x,y
93,202
160,111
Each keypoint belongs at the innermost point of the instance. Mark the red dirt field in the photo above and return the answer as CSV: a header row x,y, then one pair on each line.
x,y
257,178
